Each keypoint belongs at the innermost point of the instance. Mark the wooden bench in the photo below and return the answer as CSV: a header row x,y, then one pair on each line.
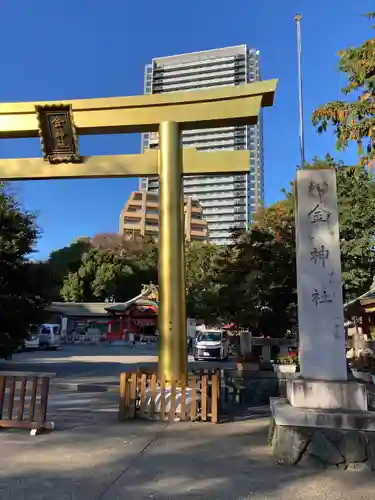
x,y
24,400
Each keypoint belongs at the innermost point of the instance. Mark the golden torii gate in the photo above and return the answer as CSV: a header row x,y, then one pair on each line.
x,y
59,124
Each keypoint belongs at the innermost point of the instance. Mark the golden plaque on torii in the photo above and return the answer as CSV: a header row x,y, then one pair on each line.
x,y
58,125
58,133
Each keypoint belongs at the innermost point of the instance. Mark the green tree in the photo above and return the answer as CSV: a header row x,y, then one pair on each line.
x,y
102,276
109,272
63,262
257,282
356,201
140,253
201,288
354,120
22,300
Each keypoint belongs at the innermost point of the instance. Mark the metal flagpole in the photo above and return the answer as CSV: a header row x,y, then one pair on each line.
x,y
298,18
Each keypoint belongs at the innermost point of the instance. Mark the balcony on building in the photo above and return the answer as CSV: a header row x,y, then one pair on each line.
x,y
140,217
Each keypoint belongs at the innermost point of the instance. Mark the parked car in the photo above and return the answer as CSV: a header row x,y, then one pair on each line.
x,y
31,342
211,344
49,336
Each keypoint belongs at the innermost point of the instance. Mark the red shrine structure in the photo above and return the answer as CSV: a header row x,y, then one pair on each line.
x,y
138,316
114,321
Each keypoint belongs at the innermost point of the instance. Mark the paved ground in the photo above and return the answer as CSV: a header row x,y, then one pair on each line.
x,y
85,364
91,456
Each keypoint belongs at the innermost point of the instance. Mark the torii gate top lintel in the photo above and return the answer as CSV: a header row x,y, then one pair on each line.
x,y
192,110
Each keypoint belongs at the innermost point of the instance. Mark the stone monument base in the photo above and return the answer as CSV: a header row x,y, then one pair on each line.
x,y
322,438
327,395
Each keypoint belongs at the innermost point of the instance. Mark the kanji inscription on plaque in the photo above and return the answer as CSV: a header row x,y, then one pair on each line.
x,y
57,133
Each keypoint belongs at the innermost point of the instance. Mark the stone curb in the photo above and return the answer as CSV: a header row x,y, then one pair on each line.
x,y
85,387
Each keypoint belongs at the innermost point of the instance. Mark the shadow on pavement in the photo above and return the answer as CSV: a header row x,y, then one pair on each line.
x,y
141,460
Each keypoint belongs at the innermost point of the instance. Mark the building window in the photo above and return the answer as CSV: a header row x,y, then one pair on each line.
x,y
153,197
153,211
131,220
133,233
153,223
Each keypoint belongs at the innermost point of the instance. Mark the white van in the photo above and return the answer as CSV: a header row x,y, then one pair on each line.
x,y
49,336
31,342
211,344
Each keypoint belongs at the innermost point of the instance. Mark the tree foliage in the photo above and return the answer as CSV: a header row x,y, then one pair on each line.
x,y
201,261
356,201
113,269
63,262
22,300
257,282
354,120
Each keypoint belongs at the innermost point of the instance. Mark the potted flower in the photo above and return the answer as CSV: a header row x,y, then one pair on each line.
x,y
286,364
247,361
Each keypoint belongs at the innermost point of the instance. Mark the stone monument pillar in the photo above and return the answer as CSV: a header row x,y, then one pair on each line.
x,y
319,284
324,418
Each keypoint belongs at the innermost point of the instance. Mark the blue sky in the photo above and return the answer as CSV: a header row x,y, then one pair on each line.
x,y
90,48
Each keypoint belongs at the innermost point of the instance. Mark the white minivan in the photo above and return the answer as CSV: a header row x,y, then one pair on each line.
x,y
49,336
31,341
211,344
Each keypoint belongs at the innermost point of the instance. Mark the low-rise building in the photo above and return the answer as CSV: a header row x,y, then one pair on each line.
x,y
140,217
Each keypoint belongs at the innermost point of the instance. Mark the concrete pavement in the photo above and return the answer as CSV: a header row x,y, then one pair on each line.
x,y
91,456
142,460
82,365
74,361
95,365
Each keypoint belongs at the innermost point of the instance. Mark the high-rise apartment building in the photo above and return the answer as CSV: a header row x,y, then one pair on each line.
x,y
227,201
140,217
